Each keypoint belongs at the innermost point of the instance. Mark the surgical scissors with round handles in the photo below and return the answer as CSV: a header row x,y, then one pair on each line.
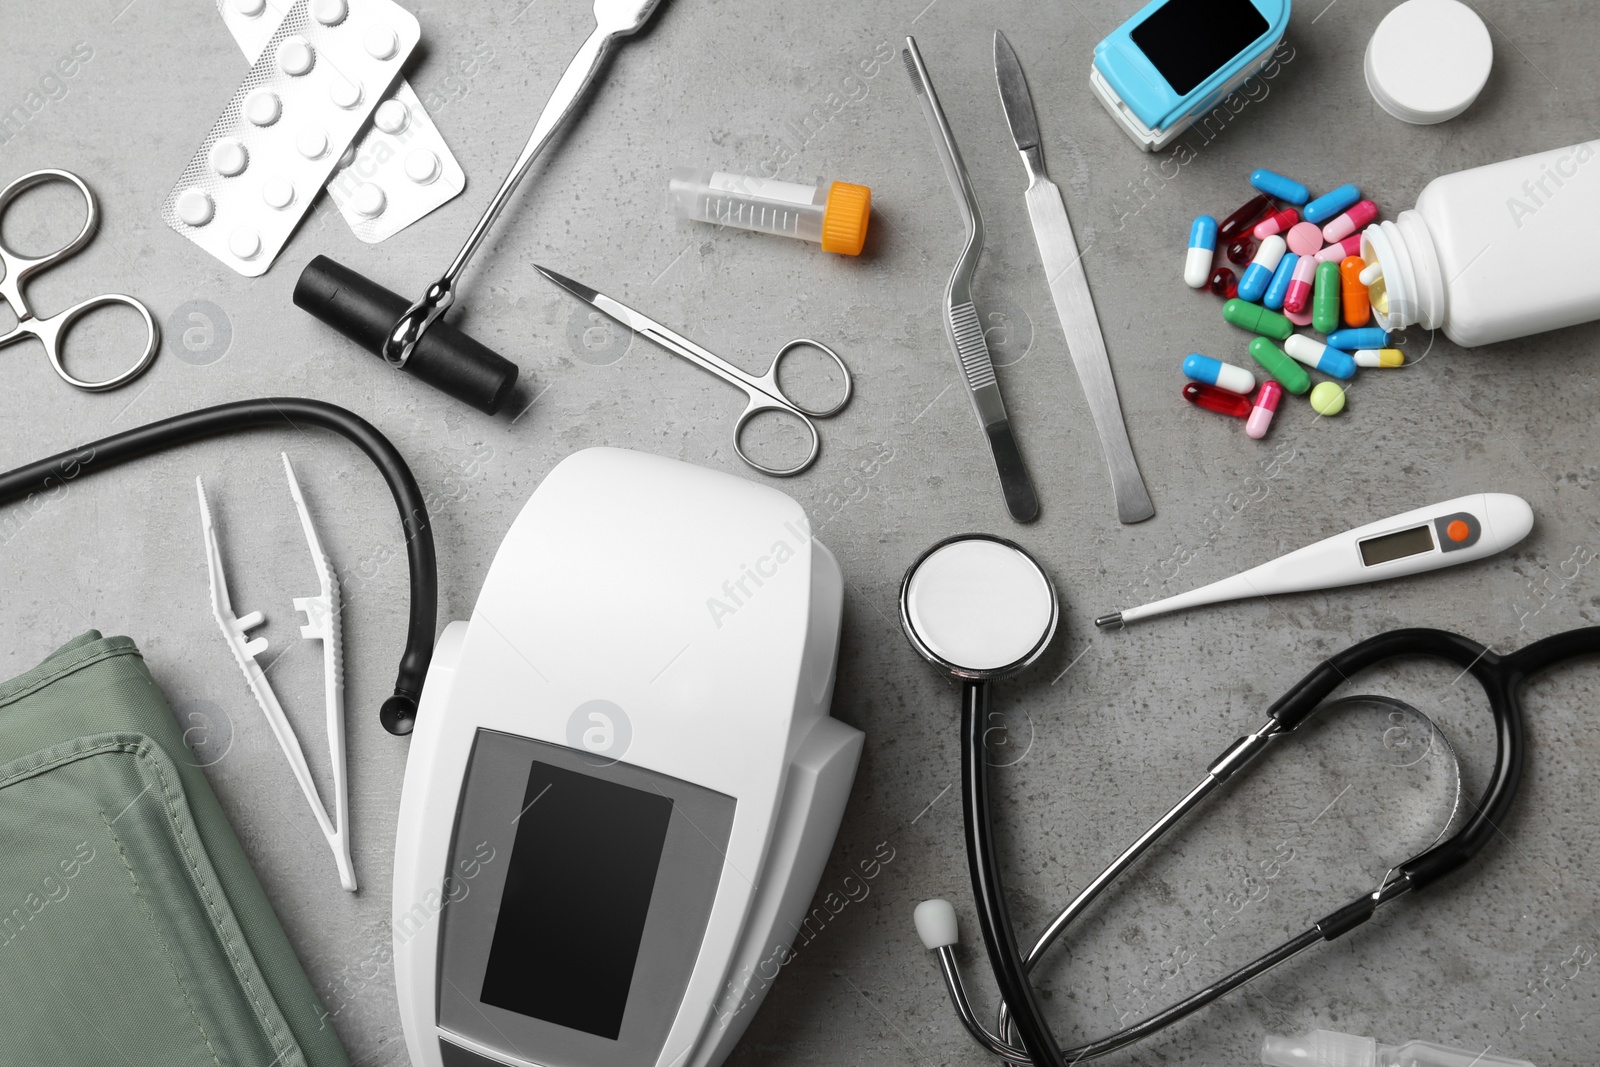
x,y
764,392
49,330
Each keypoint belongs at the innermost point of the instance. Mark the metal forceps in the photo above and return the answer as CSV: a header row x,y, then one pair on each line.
x,y
19,268
764,391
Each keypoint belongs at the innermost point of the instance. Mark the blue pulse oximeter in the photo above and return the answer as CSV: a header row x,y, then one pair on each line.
x,y
1175,60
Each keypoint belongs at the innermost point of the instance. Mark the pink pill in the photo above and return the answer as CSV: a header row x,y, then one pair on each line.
x,y
1351,221
1299,318
1301,283
1305,239
1277,222
1266,405
1338,253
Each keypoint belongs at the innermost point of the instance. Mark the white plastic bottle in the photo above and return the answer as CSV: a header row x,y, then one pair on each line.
x,y
1329,1048
1495,252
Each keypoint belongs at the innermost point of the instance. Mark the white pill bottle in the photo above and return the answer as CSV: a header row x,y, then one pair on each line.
x,y
1495,252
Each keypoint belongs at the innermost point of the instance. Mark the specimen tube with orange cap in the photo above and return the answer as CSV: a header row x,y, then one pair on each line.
x,y
833,214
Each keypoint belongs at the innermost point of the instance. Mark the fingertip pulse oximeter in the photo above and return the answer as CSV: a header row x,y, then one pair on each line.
x,y
1176,59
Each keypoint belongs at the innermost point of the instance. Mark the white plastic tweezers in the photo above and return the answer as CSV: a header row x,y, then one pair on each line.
x,y
322,621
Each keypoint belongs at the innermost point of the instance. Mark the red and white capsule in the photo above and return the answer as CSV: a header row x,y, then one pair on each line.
x,y
1266,405
1360,215
1277,222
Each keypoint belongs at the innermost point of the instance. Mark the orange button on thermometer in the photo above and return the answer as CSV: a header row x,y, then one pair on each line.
x,y
833,214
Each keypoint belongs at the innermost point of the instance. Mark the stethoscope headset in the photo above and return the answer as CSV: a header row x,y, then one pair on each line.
x,y
981,608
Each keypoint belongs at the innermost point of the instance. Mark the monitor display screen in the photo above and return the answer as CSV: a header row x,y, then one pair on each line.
x,y
1395,546
1189,40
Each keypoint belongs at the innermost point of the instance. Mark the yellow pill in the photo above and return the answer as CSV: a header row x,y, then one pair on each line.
x,y
1327,399
1380,357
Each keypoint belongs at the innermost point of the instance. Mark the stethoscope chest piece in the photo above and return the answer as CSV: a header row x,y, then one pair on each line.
x,y
978,607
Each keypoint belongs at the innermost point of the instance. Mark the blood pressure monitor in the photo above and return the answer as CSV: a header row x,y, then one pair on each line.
x,y
1177,59
624,782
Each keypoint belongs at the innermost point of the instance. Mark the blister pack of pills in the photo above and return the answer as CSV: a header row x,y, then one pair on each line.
x,y
399,169
318,79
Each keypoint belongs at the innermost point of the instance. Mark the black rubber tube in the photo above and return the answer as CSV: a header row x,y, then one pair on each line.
x,y
399,712
984,860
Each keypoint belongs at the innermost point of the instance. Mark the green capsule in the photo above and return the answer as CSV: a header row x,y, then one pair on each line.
x,y
1291,375
1257,319
1325,298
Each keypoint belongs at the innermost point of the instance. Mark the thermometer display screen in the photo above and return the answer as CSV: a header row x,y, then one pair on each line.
x,y
1189,40
1389,547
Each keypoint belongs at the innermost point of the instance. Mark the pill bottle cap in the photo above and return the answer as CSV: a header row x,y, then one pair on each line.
x,y
1428,60
844,222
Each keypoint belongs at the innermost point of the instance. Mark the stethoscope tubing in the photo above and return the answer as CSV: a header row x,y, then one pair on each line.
x,y
1501,678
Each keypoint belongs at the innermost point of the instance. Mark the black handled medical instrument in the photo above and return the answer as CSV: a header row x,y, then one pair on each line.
x,y
399,711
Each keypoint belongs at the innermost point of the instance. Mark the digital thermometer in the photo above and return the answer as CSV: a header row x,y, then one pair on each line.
x,y
1176,60
1456,531
624,782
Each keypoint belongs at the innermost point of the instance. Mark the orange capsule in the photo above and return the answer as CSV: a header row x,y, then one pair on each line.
x,y
1357,307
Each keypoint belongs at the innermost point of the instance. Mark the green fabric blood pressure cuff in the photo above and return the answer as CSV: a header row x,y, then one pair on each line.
x,y
132,928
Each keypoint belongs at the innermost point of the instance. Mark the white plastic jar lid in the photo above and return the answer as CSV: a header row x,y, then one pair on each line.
x,y
1428,60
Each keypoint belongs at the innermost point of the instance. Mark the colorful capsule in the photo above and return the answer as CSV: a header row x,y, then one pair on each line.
x,y
1318,356
1285,189
1202,244
1291,375
1305,238
1266,404
1298,296
1357,218
1220,374
1241,250
1352,340
1257,276
1372,273
1380,357
1219,400
1341,250
1357,308
1256,319
1278,288
1325,299
1299,318
1240,221
1328,205
1277,222
1223,283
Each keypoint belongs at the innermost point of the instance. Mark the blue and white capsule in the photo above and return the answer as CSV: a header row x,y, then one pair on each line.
x,y
1354,340
1220,374
1318,356
1278,288
1276,185
1202,246
1258,275
1331,205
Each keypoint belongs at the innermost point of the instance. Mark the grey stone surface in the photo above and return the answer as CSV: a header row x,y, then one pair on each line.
x,y
1101,735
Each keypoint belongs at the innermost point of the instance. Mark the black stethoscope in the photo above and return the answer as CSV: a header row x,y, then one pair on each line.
x,y
981,608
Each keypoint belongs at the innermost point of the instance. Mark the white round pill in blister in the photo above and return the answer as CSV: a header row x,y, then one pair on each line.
x,y
381,42
244,243
263,107
346,158
296,56
229,157
329,12
392,116
368,201
277,192
249,8
195,207
312,142
344,92
422,166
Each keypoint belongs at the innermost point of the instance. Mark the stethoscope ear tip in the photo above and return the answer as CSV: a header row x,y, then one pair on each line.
x,y
936,924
